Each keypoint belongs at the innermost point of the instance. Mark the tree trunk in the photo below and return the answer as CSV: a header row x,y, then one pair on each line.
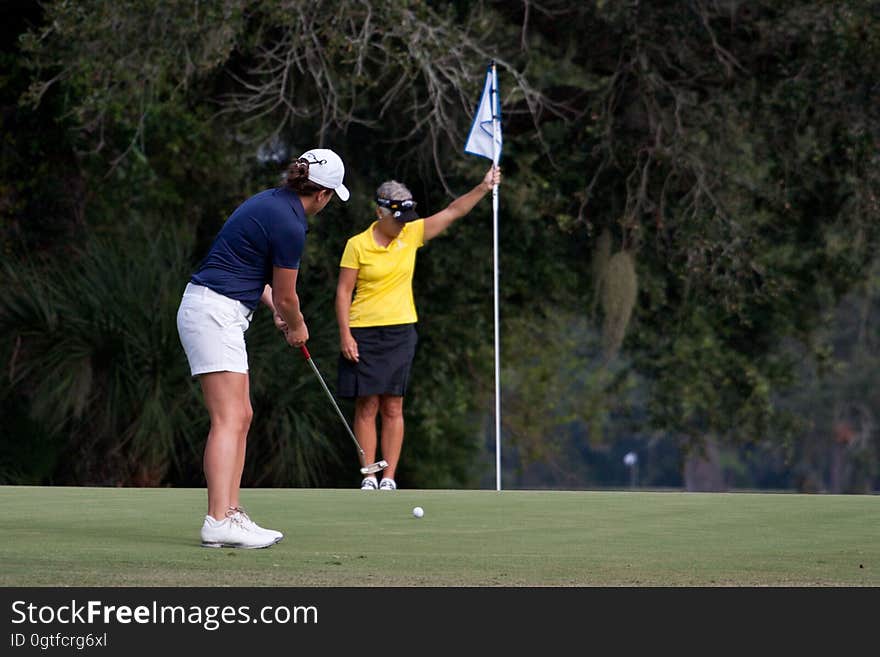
x,y
702,469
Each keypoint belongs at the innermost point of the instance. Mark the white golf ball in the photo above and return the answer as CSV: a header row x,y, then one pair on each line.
x,y
418,512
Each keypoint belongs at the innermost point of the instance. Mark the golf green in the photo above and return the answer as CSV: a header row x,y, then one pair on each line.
x,y
56,536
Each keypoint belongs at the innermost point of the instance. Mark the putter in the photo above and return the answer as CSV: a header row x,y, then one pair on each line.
x,y
366,468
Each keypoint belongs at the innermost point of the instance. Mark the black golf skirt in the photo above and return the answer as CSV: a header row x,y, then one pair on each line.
x,y
385,356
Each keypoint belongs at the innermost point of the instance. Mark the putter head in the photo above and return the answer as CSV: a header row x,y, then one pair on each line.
x,y
373,468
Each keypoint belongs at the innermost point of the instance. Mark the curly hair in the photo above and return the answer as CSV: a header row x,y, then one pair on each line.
x,y
297,178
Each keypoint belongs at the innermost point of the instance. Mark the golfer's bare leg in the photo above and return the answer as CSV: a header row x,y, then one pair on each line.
x,y
227,397
234,500
365,411
392,432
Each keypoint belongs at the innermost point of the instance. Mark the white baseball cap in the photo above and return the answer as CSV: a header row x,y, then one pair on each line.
x,y
326,169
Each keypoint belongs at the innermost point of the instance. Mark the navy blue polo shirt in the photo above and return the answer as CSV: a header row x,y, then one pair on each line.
x,y
267,230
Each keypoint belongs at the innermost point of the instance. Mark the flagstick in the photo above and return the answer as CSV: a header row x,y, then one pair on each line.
x,y
475,145
495,283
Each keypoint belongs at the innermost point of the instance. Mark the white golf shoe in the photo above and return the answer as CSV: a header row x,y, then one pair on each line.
x,y
232,532
250,524
388,484
369,483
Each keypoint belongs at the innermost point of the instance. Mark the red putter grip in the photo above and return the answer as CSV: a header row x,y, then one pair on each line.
x,y
305,352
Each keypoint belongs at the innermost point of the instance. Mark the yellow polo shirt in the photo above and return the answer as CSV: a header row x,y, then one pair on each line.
x,y
383,293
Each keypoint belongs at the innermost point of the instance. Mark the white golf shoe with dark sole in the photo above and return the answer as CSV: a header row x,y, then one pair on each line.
x,y
254,527
231,532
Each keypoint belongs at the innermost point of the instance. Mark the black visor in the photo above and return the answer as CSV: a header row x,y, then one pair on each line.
x,y
402,210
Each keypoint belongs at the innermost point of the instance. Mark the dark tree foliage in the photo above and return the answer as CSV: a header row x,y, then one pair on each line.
x,y
690,191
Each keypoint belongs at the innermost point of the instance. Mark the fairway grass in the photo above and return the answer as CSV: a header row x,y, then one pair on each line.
x,y
55,536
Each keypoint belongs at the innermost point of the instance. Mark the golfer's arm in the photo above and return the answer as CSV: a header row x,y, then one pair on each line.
x,y
437,223
266,298
284,297
344,289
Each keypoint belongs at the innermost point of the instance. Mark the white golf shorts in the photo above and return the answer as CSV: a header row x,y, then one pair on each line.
x,y
211,328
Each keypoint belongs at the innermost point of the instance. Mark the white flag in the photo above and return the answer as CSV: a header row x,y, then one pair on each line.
x,y
479,141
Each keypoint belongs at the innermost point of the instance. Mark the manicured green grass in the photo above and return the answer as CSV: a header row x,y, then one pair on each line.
x,y
149,537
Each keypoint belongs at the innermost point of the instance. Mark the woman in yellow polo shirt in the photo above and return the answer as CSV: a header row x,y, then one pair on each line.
x,y
377,329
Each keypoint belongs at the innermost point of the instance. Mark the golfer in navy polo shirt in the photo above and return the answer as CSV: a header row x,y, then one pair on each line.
x,y
254,258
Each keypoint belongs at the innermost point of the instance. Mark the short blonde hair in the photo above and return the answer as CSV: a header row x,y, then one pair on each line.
x,y
393,191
